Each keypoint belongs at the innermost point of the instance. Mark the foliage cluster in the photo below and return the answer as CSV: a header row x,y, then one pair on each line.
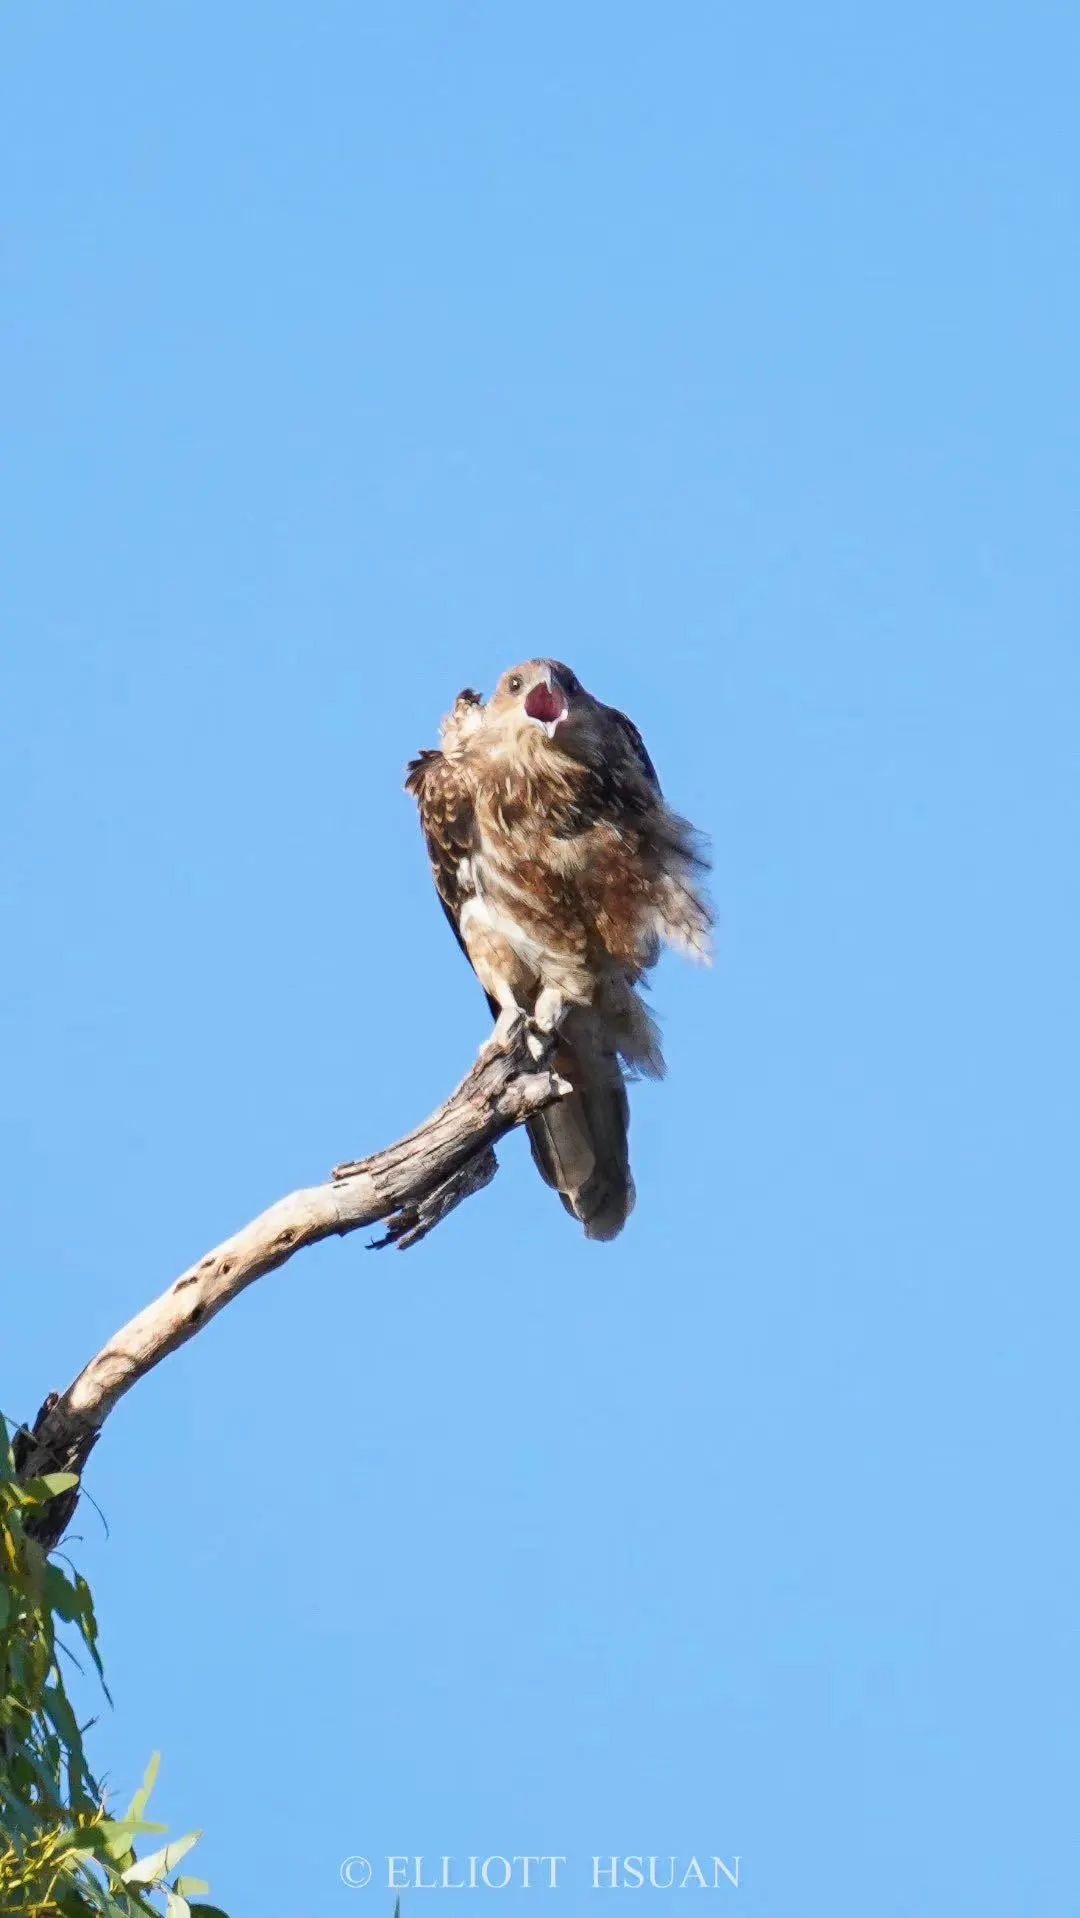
x,y
61,1855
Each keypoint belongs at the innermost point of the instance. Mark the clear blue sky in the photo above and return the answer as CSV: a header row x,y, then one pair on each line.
x,y
352,352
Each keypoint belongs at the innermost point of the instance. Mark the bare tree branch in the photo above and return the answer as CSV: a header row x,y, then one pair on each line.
x,y
411,1186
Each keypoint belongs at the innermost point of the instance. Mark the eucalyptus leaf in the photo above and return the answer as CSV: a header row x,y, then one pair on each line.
x,y
138,1803
38,1491
58,1706
62,1595
148,1871
118,1833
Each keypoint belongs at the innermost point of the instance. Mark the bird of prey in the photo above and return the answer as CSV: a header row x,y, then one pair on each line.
x,y
561,870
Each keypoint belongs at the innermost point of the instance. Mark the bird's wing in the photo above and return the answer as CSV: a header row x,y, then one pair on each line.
x,y
444,798
628,737
676,851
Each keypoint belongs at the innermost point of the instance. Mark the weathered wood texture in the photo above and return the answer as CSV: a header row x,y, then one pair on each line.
x,y
409,1187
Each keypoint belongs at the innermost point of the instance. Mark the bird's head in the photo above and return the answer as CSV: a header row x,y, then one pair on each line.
x,y
542,694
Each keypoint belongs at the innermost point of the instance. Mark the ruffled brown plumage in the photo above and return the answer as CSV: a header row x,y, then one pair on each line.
x,y
562,869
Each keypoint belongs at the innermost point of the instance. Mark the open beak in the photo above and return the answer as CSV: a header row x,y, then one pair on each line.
x,y
547,705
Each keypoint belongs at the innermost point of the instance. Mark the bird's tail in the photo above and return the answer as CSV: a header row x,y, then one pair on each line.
x,y
580,1143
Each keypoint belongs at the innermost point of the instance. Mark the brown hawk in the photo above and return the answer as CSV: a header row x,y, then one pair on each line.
x,y
561,869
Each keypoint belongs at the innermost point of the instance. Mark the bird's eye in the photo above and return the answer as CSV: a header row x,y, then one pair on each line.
x,y
572,683
514,683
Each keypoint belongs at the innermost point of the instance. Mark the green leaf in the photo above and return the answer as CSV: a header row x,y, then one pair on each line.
x,y
191,1887
89,1630
6,1606
61,1594
138,1803
117,1833
176,1906
48,1781
38,1491
147,1871
55,1702
20,1815
81,1853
